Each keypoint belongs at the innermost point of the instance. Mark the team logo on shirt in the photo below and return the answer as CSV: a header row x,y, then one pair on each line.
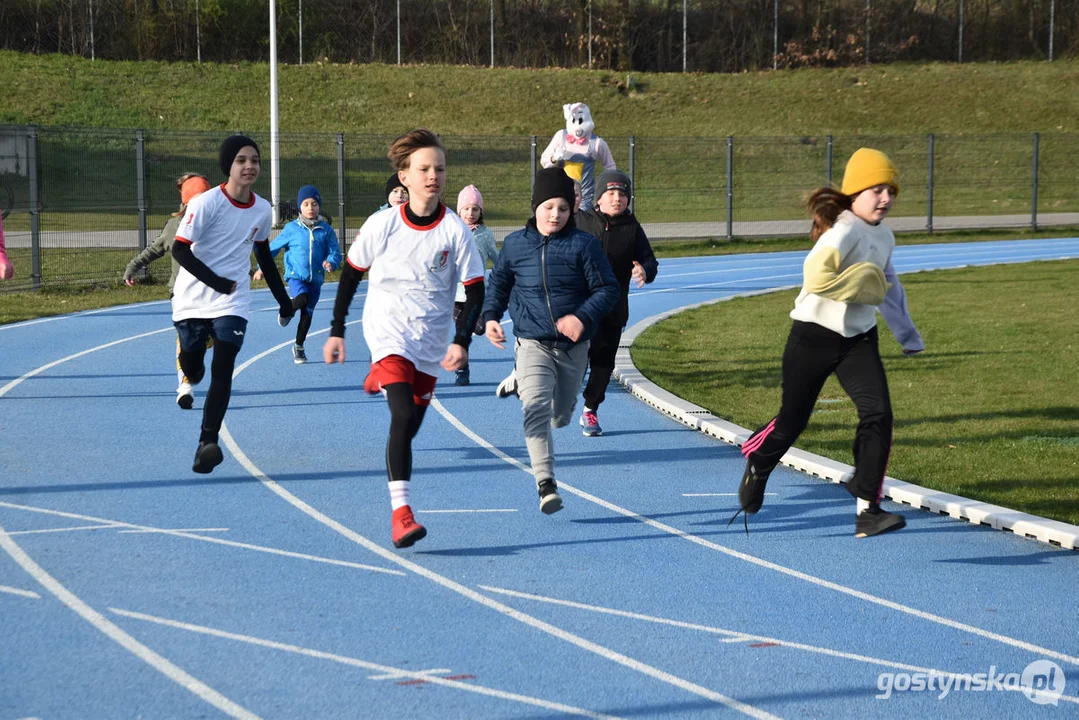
x,y
442,261
251,235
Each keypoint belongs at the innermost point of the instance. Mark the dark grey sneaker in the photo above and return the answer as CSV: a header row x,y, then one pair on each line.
x,y
298,355
207,457
750,493
462,377
875,521
550,500
751,489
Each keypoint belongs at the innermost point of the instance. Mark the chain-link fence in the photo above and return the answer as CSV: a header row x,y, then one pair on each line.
x,y
84,201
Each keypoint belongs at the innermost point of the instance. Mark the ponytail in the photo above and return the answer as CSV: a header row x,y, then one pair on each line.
x,y
824,206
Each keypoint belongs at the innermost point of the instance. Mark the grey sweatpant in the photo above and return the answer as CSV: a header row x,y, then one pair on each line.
x,y
548,380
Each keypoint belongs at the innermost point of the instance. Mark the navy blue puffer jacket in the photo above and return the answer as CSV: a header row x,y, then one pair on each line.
x,y
540,279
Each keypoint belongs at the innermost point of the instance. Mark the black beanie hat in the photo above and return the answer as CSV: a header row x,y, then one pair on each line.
x,y
393,183
612,180
234,144
552,182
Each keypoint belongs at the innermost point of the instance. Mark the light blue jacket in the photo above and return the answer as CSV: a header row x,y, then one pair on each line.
x,y
307,247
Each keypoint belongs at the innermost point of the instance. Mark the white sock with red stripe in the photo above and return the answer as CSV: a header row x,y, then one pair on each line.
x,y
399,493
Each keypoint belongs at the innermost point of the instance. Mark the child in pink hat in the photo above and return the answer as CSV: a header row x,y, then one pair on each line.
x,y
470,208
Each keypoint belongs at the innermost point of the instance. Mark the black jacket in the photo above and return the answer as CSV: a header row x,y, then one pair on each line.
x,y
624,241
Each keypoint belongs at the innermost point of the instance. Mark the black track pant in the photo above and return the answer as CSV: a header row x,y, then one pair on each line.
x,y
405,420
601,362
217,396
812,354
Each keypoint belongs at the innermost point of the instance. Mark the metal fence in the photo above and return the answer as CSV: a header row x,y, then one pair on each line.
x,y
84,201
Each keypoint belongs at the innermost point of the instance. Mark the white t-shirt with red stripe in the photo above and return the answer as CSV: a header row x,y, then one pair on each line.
x,y
412,278
222,233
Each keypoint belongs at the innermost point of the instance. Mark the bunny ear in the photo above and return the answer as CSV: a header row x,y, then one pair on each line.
x,y
567,110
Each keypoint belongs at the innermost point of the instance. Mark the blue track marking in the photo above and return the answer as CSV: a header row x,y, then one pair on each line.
x,y
270,587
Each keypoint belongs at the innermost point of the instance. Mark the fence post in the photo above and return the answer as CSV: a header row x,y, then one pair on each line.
x,y
929,184
1034,187
531,166
828,160
140,181
730,190
632,171
342,240
35,208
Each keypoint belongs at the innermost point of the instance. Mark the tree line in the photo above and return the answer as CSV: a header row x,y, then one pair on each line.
x,y
623,35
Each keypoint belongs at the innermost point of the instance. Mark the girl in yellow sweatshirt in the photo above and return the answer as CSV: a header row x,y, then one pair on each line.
x,y
847,277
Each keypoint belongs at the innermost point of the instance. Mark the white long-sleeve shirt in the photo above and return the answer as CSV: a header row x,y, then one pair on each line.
x,y
853,242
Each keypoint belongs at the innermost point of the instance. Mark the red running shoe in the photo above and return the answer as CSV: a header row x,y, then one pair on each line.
x,y
406,531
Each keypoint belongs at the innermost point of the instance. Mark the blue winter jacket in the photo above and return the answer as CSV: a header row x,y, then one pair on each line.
x,y
540,279
307,248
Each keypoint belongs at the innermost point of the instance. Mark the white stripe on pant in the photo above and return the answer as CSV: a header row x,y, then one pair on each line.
x,y
548,380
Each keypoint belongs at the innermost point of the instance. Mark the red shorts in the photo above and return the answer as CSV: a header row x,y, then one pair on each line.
x,y
396,369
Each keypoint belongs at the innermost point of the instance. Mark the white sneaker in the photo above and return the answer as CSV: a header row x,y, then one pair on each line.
x,y
185,396
508,386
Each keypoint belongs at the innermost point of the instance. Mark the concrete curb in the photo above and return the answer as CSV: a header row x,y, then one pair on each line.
x,y
1037,528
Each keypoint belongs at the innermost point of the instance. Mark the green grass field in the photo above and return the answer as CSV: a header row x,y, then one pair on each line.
x,y
989,411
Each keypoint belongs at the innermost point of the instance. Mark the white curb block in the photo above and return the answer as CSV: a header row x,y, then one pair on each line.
x,y
1044,530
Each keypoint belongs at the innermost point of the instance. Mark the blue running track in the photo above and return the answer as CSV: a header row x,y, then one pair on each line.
x,y
132,587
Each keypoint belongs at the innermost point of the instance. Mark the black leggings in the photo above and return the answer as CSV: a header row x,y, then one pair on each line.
x,y
601,362
299,303
405,420
193,364
812,354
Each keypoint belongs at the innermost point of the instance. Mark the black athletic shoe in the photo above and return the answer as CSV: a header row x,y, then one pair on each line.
x,y
875,521
207,457
550,500
750,493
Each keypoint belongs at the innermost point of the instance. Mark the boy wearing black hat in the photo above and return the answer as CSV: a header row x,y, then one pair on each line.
x,y
631,257
212,293
557,284
396,193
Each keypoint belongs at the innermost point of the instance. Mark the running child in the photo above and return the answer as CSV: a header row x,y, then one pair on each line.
x,y
7,270
557,284
847,277
631,257
190,185
396,193
212,294
470,208
311,250
415,254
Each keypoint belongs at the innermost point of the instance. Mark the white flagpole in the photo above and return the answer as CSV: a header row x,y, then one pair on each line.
x,y
275,181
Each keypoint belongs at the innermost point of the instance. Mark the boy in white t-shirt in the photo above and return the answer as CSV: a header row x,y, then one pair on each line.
x,y
416,254
212,294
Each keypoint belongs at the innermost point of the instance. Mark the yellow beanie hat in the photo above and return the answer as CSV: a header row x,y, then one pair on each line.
x,y
866,168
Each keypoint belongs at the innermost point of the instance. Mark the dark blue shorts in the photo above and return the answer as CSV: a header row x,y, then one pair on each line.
x,y
313,290
194,332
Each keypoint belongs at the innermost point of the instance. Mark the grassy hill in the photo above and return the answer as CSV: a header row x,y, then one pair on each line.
x,y
386,99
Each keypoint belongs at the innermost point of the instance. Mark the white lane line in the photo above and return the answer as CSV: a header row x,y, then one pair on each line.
x,y
418,673
110,526
174,530
820,582
734,494
17,591
733,636
37,371
114,633
99,311
492,510
588,645
354,662
217,541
